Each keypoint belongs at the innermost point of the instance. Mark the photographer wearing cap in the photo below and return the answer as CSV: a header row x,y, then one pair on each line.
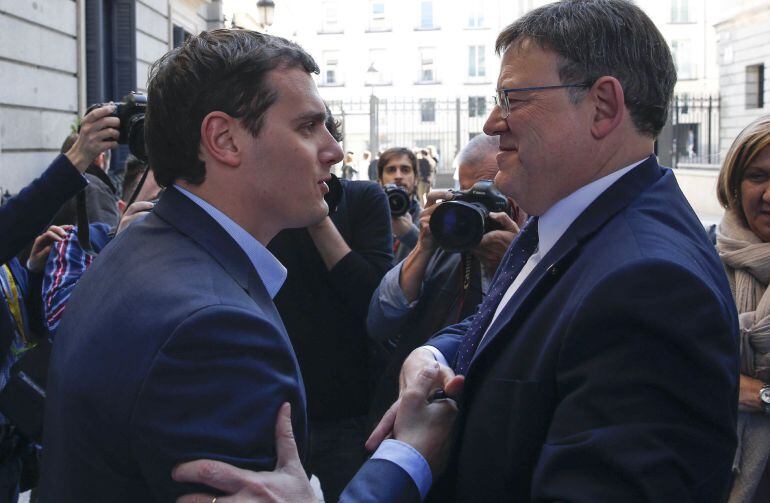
x,y
433,288
398,166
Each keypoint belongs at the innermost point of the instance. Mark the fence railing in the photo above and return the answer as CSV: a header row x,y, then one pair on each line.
x,y
690,138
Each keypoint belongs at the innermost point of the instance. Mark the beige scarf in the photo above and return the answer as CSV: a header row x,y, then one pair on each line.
x,y
747,261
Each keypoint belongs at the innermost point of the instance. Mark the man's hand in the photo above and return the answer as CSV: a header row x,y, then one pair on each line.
x,y
401,225
424,423
132,213
494,244
287,483
415,363
42,246
98,133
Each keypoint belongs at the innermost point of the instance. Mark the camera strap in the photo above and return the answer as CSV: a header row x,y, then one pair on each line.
x,y
139,186
84,236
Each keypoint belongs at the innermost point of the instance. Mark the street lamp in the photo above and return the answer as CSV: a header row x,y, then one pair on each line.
x,y
266,10
372,75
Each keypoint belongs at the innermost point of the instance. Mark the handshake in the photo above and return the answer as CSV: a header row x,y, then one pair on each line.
x,y
423,417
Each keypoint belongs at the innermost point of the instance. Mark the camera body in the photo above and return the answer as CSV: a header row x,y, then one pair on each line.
x,y
398,200
131,113
459,224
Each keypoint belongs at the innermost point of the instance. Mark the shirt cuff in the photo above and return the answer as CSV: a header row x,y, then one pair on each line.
x,y
408,459
392,298
438,355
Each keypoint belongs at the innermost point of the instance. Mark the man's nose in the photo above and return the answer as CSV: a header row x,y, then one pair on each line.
x,y
495,124
766,193
331,154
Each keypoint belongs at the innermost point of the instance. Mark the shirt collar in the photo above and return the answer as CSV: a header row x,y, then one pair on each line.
x,y
269,269
555,222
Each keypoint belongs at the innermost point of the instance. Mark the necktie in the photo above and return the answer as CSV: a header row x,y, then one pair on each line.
x,y
520,251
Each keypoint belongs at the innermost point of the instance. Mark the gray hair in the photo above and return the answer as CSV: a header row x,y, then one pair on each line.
x,y
595,38
476,150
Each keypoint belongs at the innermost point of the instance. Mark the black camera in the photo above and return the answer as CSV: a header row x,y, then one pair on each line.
x,y
398,200
131,112
459,224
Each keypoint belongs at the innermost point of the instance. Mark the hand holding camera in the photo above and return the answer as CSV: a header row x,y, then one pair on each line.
x,y
460,223
98,133
495,243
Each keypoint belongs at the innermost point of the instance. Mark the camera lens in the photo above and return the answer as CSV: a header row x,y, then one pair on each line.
x,y
457,225
398,200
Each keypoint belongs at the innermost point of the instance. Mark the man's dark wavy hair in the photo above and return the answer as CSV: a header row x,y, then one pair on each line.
x,y
222,70
595,38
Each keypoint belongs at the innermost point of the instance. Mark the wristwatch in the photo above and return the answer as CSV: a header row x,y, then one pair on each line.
x,y
764,397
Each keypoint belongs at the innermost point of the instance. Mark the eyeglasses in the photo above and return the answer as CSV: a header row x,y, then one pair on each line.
x,y
501,98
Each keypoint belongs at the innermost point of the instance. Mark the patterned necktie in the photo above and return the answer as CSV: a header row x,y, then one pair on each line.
x,y
513,262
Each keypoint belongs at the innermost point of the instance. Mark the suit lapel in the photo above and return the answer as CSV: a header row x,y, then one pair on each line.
x,y
551,267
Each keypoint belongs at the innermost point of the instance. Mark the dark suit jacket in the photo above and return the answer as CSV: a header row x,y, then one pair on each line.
x,y
612,374
170,350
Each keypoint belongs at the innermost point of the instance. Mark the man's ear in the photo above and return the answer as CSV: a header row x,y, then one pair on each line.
x,y
218,138
609,106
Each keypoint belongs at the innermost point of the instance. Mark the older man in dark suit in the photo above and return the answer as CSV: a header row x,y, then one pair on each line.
x,y
603,363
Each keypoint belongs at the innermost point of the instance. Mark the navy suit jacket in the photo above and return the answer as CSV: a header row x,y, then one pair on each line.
x,y
612,374
170,350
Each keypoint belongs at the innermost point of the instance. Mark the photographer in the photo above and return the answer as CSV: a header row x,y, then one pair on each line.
x,y
21,219
433,288
398,166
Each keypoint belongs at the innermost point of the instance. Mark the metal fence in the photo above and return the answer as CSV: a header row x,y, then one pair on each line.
x,y
689,139
691,136
444,123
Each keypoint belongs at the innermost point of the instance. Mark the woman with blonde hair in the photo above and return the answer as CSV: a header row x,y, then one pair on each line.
x,y
743,243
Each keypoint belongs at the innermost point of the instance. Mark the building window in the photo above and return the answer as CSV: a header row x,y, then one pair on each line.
x,y
180,35
681,50
378,19
755,86
380,66
476,14
426,15
680,11
427,65
428,110
477,106
330,22
476,65
330,75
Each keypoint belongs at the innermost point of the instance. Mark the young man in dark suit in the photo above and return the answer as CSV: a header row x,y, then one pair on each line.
x,y
603,363
171,347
